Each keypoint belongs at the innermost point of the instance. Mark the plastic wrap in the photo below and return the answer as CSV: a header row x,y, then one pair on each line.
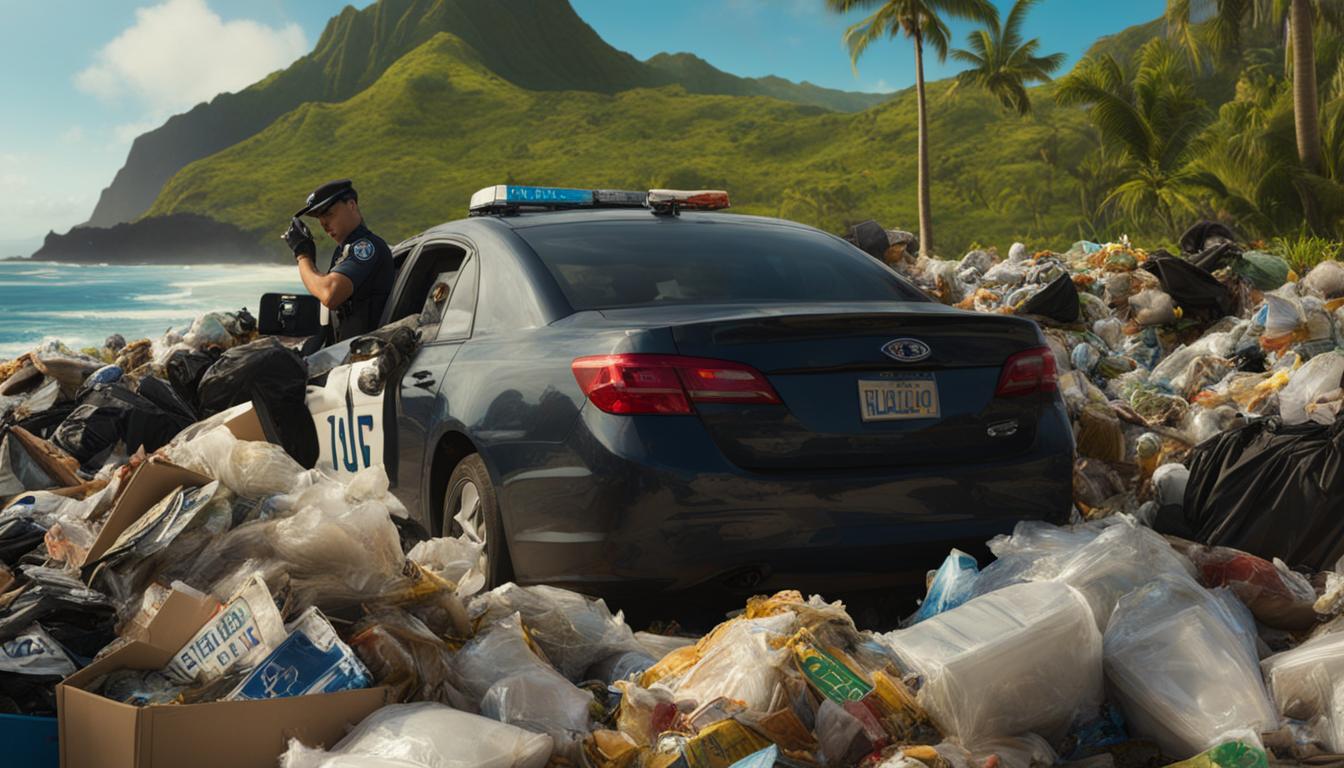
x,y
1307,684
426,736
1153,307
747,662
1120,559
659,646
247,467
546,704
499,650
1180,669
455,559
979,662
1321,375
1325,280
404,655
951,585
1276,595
574,631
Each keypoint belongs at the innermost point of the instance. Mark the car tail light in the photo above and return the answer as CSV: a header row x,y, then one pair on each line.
x,y
1028,372
630,384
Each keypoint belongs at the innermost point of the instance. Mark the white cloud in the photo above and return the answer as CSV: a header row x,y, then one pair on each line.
x,y
180,52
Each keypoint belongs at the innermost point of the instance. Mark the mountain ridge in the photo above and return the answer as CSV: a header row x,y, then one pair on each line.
x,y
546,46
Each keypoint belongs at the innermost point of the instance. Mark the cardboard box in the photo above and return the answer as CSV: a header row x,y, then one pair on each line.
x,y
155,478
96,732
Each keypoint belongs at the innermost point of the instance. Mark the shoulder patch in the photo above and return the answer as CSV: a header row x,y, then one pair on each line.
x,y
362,250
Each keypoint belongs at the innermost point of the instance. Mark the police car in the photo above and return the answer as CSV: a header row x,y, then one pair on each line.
x,y
622,391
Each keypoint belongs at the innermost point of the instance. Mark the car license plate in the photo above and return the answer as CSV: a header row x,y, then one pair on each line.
x,y
910,396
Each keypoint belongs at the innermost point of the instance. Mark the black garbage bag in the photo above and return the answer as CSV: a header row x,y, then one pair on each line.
x,y
185,367
870,237
1269,489
1194,289
148,416
1205,234
1057,301
82,620
18,536
274,378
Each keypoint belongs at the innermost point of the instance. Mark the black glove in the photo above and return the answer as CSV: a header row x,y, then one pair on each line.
x,y
299,238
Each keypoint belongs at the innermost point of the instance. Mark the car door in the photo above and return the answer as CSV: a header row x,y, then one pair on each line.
x,y
446,325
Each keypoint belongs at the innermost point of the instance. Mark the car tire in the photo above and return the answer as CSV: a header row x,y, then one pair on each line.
x,y
471,491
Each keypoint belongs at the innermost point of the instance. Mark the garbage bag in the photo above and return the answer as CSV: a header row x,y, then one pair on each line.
x,y
573,631
274,379
80,619
455,559
19,535
499,651
1179,669
1269,489
426,735
1153,307
1120,559
404,655
185,367
546,704
1325,280
147,416
1058,301
869,237
951,585
1192,288
1263,270
34,652
1024,643
1307,684
747,662
1321,375
1205,234
250,468
1276,596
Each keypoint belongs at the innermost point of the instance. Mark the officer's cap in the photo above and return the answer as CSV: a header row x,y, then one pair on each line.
x,y
324,196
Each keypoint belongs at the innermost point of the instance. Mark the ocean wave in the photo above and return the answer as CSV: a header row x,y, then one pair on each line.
x,y
178,297
111,314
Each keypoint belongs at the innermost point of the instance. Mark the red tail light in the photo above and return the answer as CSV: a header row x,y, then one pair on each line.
x,y
631,384
1028,372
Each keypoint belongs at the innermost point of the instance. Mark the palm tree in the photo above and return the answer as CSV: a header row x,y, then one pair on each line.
x,y
1153,122
1002,63
922,22
1222,33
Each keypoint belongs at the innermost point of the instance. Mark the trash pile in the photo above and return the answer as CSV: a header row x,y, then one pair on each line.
x,y
176,582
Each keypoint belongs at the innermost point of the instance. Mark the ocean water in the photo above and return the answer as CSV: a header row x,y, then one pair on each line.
x,y
82,305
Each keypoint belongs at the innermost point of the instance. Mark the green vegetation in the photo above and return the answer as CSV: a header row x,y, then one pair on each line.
x,y
1302,252
439,125
1004,64
922,22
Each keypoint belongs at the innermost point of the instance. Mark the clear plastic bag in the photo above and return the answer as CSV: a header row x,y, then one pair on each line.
x,y
546,704
500,650
1306,685
979,662
951,585
455,559
1325,280
1180,669
426,735
1153,307
403,654
1276,595
574,631
1120,559
1320,375
747,662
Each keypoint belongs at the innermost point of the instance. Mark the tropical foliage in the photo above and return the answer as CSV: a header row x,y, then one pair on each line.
x,y
1003,63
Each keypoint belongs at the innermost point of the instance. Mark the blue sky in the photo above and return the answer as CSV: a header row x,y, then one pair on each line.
x,y
84,78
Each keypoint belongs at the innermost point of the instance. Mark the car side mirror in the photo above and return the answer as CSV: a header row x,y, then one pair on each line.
x,y
288,314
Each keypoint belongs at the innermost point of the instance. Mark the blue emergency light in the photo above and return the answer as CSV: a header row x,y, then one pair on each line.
x,y
506,198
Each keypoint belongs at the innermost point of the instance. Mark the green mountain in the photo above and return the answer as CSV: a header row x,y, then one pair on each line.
x,y
441,123
539,45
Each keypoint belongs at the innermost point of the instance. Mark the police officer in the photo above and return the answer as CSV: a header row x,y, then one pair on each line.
x,y
359,281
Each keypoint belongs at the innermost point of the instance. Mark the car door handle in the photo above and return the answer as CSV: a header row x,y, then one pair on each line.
x,y
421,375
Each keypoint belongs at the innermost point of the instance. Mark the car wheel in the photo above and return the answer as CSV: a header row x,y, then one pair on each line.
x,y
470,509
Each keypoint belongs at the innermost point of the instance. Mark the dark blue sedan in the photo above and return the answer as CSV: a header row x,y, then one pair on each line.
x,y
624,393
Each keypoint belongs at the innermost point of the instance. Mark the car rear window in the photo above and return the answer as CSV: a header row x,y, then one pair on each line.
x,y
608,264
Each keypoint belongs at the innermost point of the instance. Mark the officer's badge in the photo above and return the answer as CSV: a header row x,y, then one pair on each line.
x,y
362,250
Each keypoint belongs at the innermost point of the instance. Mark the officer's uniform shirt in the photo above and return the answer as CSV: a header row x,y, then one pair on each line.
x,y
364,258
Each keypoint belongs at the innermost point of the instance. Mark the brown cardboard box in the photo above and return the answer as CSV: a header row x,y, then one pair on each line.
x,y
155,479
101,733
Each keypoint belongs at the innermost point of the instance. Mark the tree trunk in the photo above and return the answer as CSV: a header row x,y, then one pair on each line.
x,y
925,215
1304,85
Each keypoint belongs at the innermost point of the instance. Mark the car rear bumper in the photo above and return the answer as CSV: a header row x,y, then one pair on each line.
x,y
649,503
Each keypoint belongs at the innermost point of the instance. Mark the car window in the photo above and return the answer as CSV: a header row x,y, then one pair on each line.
x,y
455,321
608,264
426,271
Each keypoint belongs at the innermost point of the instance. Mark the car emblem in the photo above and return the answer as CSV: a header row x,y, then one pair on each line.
x,y
906,350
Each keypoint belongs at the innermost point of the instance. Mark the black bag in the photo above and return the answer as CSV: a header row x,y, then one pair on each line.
x,y
1269,489
274,378
871,238
1192,288
1057,301
149,416
185,367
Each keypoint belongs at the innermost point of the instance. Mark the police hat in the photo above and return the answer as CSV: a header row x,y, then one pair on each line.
x,y
324,196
